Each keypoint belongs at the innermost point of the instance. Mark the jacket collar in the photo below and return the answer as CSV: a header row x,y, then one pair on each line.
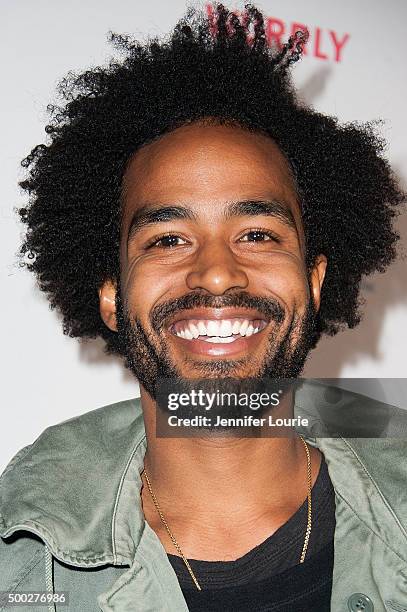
x,y
78,485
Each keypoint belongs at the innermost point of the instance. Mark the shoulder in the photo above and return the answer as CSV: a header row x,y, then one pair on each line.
x,y
106,422
112,419
384,459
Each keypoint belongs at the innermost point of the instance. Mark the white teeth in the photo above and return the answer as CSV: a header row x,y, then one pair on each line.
x,y
249,330
194,330
236,327
243,327
225,329
213,328
201,328
219,330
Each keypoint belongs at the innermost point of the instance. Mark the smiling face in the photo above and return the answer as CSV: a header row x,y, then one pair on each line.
x,y
213,276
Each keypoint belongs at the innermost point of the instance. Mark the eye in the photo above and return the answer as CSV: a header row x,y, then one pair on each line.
x,y
259,235
167,241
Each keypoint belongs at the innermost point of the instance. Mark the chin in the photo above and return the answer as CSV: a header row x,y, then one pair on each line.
x,y
225,368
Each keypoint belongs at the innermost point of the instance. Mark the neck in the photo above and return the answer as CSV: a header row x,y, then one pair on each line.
x,y
210,486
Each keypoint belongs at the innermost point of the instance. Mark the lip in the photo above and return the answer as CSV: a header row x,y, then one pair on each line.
x,y
237,348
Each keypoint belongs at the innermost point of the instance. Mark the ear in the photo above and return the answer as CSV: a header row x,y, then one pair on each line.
x,y
107,304
317,278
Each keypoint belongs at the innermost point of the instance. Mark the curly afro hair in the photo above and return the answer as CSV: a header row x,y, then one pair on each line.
x,y
219,67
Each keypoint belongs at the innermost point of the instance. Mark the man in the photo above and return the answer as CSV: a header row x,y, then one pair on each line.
x,y
191,212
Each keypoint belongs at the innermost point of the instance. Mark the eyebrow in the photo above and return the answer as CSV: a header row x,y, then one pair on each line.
x,y
148,215
268,208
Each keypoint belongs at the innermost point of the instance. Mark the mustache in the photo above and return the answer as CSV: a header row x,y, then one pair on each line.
x,y
269,307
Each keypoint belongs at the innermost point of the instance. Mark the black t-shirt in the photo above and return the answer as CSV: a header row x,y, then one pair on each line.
x,y
270,577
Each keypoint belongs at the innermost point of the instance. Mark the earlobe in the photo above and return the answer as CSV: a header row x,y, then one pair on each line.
x,y
107,304
317,278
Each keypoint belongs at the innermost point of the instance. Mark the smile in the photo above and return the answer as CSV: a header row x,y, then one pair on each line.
x,y
213,333
219,331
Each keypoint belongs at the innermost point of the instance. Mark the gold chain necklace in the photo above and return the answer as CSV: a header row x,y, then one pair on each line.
x,y
177,546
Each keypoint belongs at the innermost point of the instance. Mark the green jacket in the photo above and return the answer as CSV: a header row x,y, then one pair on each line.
x,y
71,519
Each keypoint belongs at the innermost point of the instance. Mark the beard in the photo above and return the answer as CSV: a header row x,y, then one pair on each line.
x,y
146,353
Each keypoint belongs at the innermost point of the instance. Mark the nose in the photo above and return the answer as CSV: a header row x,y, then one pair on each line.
x,y
216,271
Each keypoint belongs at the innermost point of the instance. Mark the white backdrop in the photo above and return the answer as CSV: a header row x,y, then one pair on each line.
x,y
47,377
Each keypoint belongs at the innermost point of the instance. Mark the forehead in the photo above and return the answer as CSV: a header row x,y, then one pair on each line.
x,y
208,165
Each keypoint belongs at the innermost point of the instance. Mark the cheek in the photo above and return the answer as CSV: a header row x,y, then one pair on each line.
x,y
284,275
144,285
